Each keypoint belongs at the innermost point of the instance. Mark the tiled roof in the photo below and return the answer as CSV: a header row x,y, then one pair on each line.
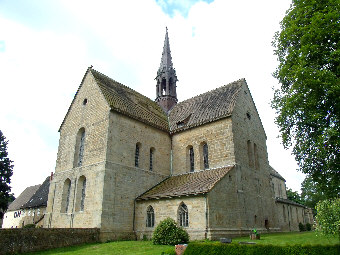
x,y
23,198
287,201
131,103
205,108
276,173
40,196
186,184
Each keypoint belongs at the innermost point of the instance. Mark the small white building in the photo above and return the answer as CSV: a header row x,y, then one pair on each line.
x,y
13,217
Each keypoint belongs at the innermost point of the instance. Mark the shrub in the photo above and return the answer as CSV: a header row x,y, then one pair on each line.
x,y
302,227
258,249
308,227
29,226
167,232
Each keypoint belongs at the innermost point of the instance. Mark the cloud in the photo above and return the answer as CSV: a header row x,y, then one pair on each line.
x,y
178,7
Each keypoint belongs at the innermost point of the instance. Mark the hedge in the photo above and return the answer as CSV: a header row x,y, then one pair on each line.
x,y
237,249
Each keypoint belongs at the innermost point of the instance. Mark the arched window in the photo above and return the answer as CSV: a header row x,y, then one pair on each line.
x,y
190,159
183,215
250,154
152,152
65,201
150,217
205,156
284,213
137,154
256,157
79,149
163,87
81,194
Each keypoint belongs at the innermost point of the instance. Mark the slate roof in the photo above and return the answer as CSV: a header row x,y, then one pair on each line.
x,y
23,198
131,103
205,108
40,196
186,184
276,173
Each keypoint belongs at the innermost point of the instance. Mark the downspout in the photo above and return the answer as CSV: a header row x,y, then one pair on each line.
x,y
206,216
171,156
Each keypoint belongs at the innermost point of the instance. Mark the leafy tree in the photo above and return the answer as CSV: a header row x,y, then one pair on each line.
x,y
6,171
308,101
311,193
294,196
328,217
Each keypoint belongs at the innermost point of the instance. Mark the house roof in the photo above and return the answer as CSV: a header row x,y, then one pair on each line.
x,y
131,103
275,173
40,196
210,106
186,184
23,198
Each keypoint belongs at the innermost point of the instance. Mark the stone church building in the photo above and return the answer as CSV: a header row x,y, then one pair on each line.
x,y
126,162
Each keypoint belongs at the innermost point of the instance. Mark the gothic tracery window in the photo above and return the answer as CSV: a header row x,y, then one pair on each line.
x,y
183,215
150,217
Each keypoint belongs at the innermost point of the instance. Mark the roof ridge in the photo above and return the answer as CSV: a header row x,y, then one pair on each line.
x,y
124,86
203,170
210,91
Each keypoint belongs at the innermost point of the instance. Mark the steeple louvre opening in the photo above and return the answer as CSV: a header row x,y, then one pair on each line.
x,y
166,95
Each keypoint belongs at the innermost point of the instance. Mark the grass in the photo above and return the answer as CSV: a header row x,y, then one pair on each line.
x,y
291,238
116,248
146,247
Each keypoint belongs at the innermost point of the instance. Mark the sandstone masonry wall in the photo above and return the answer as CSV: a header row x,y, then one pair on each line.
x,y
255,193
217,135
164,208
89,111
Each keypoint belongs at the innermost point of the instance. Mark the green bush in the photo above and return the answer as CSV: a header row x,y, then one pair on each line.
x,y
167,232
29,226
170,251
308,227
302,227
236,249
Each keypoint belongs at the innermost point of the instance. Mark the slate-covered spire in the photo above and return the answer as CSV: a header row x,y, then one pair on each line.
x,y
166,95
166,61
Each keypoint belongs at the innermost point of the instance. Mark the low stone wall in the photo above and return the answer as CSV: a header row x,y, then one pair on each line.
x,y
35,239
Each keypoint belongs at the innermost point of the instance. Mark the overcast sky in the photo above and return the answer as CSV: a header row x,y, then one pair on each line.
x,y
46,47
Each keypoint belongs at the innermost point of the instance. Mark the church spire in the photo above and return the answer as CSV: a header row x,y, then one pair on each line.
x,y
166,95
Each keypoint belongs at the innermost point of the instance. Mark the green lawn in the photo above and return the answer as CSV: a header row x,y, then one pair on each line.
x,y
116,248
146,247
291,238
